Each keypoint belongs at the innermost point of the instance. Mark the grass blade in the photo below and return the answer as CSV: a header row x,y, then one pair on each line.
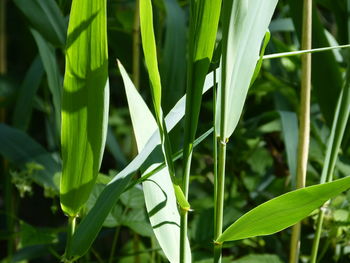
x,y
158,191
85,103
48,57
89,227
46,17
24,104
150,52
243,37
283,211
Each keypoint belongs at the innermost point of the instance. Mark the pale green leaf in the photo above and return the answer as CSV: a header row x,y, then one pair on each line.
x,y
248,22
158,190
283,211
89,227
85,102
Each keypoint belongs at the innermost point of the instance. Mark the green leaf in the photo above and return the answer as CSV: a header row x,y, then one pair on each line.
x,y
24,104
260,61
204,19
283,211
89,227
173,63
20,149
340,121
256,258
158,190
150,52
48,57
247,22
289,122
46,17
85,102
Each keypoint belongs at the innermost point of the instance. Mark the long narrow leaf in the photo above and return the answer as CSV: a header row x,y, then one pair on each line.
x,y
85,102
46,17
248,23
283,211
91,224
158,191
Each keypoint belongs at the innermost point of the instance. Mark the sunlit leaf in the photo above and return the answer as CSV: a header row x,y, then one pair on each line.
x,y
283,211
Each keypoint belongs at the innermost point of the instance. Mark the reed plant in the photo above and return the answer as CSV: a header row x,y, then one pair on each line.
x,y
224,51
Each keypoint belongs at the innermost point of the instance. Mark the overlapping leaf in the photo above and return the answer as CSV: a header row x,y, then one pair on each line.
x,y
158,191
245,28
85,102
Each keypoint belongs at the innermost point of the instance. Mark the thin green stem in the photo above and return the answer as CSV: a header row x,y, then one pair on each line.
x,y
317,238
304,132
219,205
114,244
183,234
70,233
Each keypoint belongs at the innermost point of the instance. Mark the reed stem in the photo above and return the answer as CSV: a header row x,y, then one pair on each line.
x,y
219,204
70,232
304,132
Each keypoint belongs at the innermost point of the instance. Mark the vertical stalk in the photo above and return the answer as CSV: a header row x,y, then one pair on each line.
x,y
70,233
304,132
219,204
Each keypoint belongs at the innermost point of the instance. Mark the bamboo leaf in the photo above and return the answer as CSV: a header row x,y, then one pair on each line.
x,y
158,191
46,17
85,103
248,21
24,104
173,63
289,122
89,227
150,52
48,57
283,211
203,28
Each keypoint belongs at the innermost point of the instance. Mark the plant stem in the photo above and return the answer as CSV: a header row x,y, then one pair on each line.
x,y
114,244
317,238
219,204
70,233
304,132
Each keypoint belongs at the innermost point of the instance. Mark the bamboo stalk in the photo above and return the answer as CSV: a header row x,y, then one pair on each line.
x,y
304,132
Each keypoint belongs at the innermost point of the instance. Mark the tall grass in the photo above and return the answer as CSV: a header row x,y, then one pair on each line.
x,y
304,119
90,199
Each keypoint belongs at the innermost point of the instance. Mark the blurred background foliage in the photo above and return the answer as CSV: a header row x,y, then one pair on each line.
x,y
260,158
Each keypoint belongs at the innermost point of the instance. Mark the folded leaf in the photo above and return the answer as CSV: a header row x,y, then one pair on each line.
x,y
248,22
89,227
158,190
